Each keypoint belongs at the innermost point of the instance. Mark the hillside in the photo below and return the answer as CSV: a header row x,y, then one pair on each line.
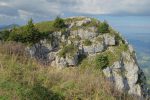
x,y
7,27
73,58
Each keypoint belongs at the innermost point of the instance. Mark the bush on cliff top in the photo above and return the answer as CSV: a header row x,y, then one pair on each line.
x,y
103,27
28,34
59,23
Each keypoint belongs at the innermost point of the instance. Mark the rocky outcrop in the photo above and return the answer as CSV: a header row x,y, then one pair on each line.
x,y
72,61
94,48
127,76
62,62
109,40
124,73
84,34
78,23
85,21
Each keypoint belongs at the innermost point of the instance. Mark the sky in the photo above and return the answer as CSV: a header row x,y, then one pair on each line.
x,y
129,24
19,11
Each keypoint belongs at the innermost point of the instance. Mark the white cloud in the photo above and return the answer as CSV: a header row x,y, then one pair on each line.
x,y
44,9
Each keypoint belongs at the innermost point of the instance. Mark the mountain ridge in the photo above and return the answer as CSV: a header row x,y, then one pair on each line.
x,y
83,42
83,33
8,27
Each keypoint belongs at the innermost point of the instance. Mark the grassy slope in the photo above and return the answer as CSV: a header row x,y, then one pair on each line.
x,y
24,78
45,26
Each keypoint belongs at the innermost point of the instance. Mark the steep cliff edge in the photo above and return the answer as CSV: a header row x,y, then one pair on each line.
x,y
81,39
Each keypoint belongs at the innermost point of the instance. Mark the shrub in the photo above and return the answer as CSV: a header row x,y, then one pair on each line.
x,y
102,61
4,35
103,27
87,42
28,34
15,36
59,23
71,49
33,35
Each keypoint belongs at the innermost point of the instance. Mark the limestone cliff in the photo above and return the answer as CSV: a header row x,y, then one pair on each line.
x,y
81,37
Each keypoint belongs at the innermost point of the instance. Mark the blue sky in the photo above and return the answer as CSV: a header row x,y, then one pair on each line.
x,y
129,24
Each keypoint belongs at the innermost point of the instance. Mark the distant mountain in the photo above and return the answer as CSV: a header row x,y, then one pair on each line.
x,y
8,26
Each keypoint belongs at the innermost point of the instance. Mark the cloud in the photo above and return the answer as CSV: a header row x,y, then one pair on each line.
x,y
117,7
46,9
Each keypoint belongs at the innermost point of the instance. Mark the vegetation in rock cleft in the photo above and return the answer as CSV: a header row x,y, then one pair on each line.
x,y
87,42
101,61
70,49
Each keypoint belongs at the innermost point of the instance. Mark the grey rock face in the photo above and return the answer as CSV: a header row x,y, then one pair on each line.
x,y
127,76
84,21
52,56
94,48
65,62
131,48
72,61
99,47
41,50
47,44
38,51
60,62
84,34
79,22
115,74
109,40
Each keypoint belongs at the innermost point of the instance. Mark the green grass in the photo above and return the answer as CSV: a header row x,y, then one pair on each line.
x,y
115,53
29,81
87,42
93,23
76,38
46,26
22,78
68,49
